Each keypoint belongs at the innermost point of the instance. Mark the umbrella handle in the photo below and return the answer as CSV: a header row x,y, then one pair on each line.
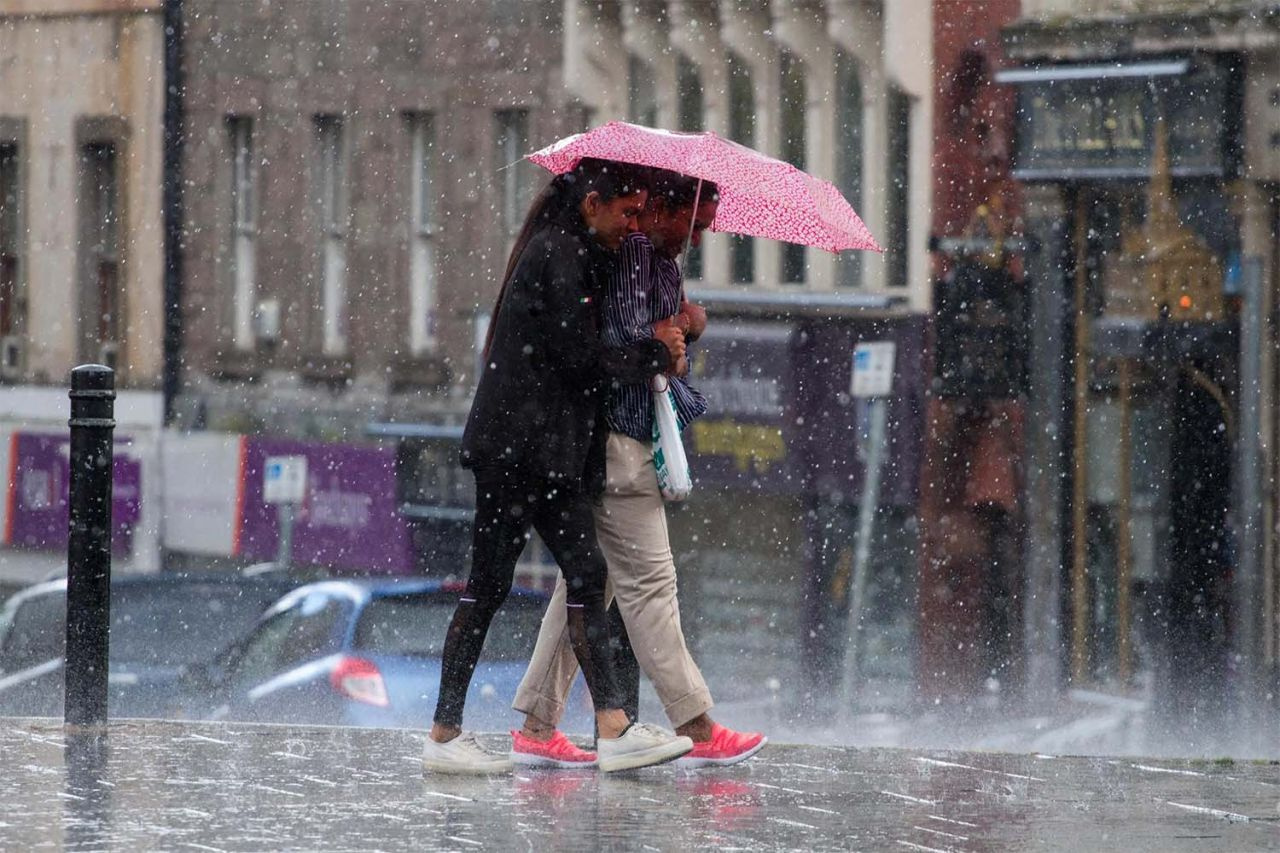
x,y
688,240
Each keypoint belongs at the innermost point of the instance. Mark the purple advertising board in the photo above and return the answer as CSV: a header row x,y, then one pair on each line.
x,y
834,419
38,493
747,437
781,418
348,519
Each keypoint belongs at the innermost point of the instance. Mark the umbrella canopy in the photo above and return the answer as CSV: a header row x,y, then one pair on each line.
x,y
759,196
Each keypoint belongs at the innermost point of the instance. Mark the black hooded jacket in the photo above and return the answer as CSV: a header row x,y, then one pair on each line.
x,y
539,407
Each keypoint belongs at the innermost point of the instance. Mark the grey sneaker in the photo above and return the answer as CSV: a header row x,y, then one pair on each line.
x,y
463,755
641,745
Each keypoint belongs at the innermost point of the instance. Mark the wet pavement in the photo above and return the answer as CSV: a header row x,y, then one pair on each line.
x,y
157,785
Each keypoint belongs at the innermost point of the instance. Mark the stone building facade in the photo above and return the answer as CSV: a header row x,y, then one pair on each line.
x,y
352,185
81,164
81,243
320,134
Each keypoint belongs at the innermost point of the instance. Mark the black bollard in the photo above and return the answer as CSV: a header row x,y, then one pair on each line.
x,y
89,545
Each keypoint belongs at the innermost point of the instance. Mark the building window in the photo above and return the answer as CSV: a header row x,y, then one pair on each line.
x,y
331,190
642,92
849,156
10,237
897,222
243,229
742,128
422,261
100,294
791,116
690,109
512,138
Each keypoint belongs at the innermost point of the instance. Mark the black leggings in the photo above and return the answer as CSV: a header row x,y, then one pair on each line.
x,y
507,506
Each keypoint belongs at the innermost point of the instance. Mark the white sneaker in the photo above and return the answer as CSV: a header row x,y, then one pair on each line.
x,y
641,745
463,754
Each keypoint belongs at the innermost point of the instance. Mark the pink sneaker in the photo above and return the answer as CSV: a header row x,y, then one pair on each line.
x,y
725,747
557,752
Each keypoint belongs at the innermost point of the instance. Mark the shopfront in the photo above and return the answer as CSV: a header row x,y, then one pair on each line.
x,y
1131,166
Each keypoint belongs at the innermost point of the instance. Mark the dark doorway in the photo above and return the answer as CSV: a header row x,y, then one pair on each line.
x,y
1199,553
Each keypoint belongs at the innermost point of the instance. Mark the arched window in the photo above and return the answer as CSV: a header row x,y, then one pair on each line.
x,y
849,155
791,113
689,109
688,94
898,212
742,128
642,89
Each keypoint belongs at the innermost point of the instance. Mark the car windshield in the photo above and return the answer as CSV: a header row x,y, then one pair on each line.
x,y
415,625
173,625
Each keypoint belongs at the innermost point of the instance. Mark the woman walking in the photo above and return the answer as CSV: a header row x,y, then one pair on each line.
x,y
535,442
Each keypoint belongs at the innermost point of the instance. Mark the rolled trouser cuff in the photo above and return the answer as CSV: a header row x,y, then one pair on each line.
x,y
689,706
548,709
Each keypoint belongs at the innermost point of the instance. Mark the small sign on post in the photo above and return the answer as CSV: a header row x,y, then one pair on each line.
x,y
284,479
284,483
873,382
873,369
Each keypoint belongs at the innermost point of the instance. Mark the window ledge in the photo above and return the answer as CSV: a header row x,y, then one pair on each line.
x,y
327,368
239,364
415,372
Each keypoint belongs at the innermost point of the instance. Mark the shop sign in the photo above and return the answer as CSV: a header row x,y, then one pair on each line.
x,y
1076,123
743,440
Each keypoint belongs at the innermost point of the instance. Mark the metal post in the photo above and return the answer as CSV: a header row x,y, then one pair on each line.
x,y
1250,495
876,434
1124,525
1079,463
1159,456
171,200
284,550
89,545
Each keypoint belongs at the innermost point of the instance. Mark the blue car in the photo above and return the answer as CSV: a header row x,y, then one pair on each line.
x,y
367,653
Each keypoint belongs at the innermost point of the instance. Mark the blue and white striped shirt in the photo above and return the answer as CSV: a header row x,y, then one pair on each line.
x,y
643,289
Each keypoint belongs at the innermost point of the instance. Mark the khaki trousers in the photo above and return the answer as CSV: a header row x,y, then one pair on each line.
x,y
631,524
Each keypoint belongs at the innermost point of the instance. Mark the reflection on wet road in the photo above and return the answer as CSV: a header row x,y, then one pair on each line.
x,y
182,786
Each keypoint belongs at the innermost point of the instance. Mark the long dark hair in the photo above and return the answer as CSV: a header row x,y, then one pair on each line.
x,y
609,178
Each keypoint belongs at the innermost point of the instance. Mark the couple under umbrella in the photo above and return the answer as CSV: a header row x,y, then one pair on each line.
x,y
560,435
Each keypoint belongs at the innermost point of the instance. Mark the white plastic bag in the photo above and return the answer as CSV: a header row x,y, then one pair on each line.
x,y
674,478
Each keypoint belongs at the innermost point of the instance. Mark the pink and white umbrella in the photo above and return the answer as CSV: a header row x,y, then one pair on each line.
x,y
759,196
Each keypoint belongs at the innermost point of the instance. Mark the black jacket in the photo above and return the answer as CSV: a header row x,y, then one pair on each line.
x,y
540,404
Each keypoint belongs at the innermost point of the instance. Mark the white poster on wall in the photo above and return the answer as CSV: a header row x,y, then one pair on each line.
x,y
203,477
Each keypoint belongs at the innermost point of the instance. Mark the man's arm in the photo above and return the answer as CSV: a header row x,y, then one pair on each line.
x,y
571,334
627,295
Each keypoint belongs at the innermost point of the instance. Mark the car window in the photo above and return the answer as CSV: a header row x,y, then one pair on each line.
x,y
37,632
257,659
314,633
305,631
415,625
